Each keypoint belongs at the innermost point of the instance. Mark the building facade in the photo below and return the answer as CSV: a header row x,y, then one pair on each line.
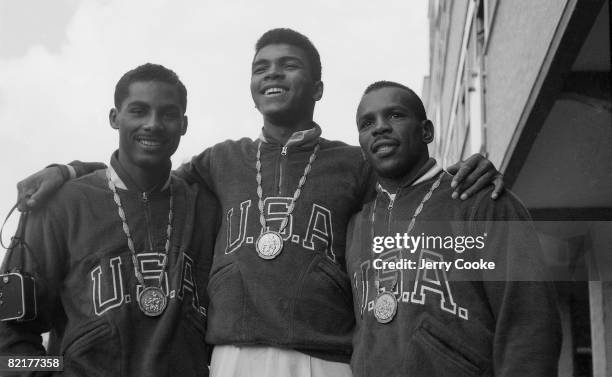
x,y
527,83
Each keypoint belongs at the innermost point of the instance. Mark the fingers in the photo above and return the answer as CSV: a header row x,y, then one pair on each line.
x,y
498,182
27,202
453,169
37,197
32,191
465,168
480,183
484,169
24,194
51,180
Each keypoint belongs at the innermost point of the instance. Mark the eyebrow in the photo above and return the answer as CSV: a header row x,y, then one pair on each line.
x,y
137,103
365,116
282,59
387,109
163,106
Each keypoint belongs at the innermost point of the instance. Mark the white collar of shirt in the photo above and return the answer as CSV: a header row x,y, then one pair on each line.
x,y
429,174
114,177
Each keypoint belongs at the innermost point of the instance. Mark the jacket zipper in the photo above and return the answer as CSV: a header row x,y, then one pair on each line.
x,y
390,211
145,200
282,163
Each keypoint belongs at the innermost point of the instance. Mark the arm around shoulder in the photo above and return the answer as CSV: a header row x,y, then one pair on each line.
x,y
198,170
33,191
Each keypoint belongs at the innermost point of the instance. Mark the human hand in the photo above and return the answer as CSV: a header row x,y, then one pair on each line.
x,y
35,189
474,174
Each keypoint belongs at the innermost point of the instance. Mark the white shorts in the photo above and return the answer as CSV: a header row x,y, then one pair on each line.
x,y
232,361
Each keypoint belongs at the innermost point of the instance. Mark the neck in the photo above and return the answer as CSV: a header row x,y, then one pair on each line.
x,y
148,178
282,129
420,168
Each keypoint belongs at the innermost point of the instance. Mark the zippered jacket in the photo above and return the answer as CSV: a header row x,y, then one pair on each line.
x,y
450,320
302,298
86,285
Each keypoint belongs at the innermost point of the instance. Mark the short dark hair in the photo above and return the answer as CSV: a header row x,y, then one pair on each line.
x,y
416,103
293,38
149,72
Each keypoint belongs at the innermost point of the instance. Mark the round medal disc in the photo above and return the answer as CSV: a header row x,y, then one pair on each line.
x,y
385,307
152,301
269,244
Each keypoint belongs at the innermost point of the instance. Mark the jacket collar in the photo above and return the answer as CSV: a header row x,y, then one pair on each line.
x,y
120,177
430,170
299,138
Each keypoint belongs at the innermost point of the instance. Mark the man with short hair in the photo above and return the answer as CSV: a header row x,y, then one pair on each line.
x,y
280,296
441,287
121,256
278,284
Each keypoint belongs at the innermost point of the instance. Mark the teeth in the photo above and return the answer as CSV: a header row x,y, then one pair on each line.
x,y
274,91
384,149
149,143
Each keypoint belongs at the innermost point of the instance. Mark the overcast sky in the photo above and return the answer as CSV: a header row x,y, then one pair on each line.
x,y
60,60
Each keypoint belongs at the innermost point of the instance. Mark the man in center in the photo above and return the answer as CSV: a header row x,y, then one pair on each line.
x,y
280,296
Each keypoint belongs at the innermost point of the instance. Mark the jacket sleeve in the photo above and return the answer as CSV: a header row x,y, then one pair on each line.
x,y
206,227
527,335
367,185
43,258
82,168
198,170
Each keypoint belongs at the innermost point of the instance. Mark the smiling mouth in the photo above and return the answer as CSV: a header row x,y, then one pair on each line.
x,y
384,149
148,142
274,91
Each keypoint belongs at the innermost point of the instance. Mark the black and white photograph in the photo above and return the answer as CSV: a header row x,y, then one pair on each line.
x,y
306,189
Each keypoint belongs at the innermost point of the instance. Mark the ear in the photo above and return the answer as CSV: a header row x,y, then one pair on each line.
x,y
318,91
428,131
112,118
184,126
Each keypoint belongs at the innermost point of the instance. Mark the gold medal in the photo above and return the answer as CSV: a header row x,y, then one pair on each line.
x,y
269,244
385,307
152,301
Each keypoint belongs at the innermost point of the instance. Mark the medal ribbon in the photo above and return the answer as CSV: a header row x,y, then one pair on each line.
x,y
130,242
296,194
416,213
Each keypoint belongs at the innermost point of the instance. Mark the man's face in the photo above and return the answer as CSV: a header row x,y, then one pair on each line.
x,y
150,121
282,85
390,135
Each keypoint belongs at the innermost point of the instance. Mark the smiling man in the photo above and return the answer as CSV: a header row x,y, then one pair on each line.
x,y
120,270
280,295
471,299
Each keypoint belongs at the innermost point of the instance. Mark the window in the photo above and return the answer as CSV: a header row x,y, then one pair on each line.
x,y
467,125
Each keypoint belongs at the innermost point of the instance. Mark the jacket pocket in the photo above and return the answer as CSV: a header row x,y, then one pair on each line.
x,y
191,356
94,350
441,353
226,311
323,311
337,278
216,279
197,324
